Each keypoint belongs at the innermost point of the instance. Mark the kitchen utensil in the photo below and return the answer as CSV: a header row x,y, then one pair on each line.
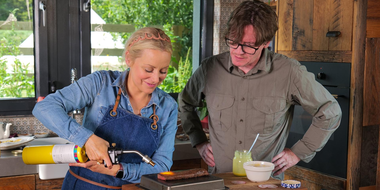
x,y
212,171
257,136
151,182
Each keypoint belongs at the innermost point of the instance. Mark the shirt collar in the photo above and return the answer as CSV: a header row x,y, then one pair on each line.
x,y
120,82
264,64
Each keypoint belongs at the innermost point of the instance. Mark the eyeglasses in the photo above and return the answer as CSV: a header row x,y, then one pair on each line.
x,y
245,48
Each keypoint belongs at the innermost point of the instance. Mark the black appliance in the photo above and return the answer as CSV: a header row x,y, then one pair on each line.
x,y
332,159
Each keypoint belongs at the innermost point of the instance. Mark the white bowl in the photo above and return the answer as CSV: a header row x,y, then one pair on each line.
x,y
258,171
41,135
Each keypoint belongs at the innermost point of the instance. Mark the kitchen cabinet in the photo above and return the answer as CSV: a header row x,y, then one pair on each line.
x,y
29,182
304,25
48,184
26,182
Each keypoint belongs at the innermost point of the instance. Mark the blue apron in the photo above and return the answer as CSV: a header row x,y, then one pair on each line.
x,y
129,132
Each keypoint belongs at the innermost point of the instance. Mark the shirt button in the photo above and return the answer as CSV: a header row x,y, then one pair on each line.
x,y
243,99
240,142
241,120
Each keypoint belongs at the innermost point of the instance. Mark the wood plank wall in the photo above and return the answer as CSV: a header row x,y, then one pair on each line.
x,y
356,100
371,108
304,25
371,111
373,19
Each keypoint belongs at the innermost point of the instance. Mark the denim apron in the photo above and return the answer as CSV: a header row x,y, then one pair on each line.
x,y
129,132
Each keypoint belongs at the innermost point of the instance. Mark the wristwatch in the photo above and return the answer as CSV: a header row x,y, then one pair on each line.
x,y
120,172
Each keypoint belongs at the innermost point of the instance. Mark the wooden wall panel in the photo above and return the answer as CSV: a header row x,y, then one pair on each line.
x,y
369,156
356,94
302,25
321,24
285,21
373,19
341,20
373,28
371,108
321,56
378,164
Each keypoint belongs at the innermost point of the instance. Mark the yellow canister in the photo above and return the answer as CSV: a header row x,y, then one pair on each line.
x,y
54,154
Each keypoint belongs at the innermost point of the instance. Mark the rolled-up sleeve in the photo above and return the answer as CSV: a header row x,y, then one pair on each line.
x,y
188,100
52,112
318,102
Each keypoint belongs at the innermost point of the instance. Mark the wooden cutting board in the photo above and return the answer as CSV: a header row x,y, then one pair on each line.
x,y
228,177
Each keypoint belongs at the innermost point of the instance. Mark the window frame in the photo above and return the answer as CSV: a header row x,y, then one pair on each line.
x,y
65,43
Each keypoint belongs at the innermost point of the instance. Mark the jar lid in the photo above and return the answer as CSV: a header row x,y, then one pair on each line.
x,y
291,184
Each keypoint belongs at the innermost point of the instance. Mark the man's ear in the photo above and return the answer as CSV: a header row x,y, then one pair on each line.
x,y
266,44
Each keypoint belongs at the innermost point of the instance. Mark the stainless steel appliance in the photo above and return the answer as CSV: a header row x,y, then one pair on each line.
x,y
332,159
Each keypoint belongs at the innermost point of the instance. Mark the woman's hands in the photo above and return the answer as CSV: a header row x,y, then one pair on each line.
x,y
284,160
99,168
97,151
205,150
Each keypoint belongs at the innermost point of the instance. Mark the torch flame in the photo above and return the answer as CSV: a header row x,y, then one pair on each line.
x,y
167,173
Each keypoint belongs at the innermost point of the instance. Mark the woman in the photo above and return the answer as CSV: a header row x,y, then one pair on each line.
x,y
125,108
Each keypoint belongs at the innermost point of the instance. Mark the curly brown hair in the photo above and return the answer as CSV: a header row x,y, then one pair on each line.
x,y
256,13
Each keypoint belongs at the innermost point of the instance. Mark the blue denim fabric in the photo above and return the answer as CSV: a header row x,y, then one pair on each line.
x,y
98,91
129,132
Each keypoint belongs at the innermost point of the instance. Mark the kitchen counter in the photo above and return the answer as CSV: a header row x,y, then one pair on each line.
x,y
228,177
12,165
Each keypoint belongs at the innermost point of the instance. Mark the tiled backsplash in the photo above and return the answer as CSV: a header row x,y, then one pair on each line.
x,y
29,124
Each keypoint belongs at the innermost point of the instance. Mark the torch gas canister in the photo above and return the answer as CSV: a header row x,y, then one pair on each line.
x,y
54,154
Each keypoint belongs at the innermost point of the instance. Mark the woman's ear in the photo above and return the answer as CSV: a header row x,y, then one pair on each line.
x,y
127,59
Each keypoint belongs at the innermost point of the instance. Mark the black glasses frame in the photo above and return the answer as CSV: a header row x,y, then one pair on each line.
x,y
242,46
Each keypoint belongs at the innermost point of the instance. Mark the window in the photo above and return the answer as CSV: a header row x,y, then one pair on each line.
x,y
71,34
112,24
17,84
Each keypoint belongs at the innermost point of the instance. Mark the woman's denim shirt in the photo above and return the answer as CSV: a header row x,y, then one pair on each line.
x,y
98,90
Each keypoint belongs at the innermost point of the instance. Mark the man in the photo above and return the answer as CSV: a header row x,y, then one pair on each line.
x,y
251,90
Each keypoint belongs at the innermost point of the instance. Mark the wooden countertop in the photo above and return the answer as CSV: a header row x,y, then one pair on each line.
x,y
228,177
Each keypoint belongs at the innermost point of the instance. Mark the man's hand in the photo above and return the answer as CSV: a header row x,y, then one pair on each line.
x,y
284,160
97,150
205,150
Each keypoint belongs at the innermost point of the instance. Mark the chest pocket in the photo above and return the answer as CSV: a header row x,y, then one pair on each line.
x,y
267,112
221,112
